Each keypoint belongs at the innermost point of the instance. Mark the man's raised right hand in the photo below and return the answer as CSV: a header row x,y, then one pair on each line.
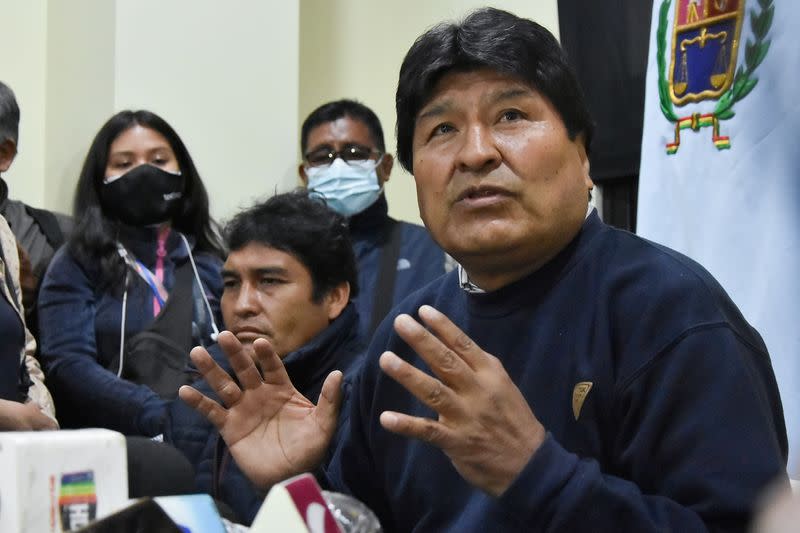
x,y
272,431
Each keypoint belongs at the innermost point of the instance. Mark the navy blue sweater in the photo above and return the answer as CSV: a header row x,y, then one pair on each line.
x,y
681,430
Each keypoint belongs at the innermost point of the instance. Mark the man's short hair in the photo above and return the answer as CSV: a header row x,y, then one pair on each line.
x,y
304,227
339,109
494,39
9,115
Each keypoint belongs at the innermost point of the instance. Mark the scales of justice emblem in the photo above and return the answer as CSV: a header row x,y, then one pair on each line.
x,y
703,57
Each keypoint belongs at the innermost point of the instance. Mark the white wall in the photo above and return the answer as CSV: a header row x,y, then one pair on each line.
x,y
235,79
22,67
224,74
354,48
79,91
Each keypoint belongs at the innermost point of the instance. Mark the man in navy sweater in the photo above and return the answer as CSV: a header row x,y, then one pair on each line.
x,y
569,377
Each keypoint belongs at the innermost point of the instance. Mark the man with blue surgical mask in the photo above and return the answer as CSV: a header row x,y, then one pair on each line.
x,y
345,162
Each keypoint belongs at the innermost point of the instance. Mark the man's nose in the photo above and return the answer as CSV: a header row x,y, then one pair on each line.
x,y
246,302
478,151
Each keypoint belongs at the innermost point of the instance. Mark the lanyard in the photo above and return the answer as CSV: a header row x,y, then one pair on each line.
x,y
159,291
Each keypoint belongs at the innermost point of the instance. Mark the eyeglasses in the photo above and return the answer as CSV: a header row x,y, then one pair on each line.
x,y
350,153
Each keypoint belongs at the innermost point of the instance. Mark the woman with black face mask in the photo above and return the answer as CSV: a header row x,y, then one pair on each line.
x,y
137,285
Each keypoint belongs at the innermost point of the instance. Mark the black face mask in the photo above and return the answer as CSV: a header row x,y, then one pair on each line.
x,y
143,196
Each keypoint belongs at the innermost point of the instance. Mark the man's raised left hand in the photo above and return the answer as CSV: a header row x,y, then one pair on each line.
x,y
485,426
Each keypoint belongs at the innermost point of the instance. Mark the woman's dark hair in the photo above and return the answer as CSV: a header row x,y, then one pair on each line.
x,y
494,39
304,227
94,238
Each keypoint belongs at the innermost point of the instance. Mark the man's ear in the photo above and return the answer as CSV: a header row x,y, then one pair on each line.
x,y
580,145
385,168
301,171
336,300
8,151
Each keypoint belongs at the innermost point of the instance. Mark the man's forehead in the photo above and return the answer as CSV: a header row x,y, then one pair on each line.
x,y
256,256
493,86
343,130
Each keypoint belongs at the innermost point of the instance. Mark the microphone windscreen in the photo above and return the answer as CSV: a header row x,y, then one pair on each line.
x,y
295,506
142,515
157,469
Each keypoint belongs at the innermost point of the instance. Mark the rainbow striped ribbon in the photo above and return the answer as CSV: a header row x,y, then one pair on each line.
x,y
159,291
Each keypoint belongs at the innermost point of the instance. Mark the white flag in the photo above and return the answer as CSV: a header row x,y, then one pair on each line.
x,y
720,171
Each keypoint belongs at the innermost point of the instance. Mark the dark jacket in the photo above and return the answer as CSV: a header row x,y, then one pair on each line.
x,y
31,235
659,400
80,334
338,347
420,259
39,234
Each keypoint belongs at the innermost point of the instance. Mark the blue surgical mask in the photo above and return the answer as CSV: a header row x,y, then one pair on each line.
x,y
348,188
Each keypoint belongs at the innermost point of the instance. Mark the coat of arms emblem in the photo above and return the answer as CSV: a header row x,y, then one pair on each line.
x,y
703,61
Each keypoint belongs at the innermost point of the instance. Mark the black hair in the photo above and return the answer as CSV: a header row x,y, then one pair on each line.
x,y
494,39
9,114
94,238
339,109
301,225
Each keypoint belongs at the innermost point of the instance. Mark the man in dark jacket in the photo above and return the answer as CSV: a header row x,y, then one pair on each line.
x,y
39,232
289,279
569,377
345,161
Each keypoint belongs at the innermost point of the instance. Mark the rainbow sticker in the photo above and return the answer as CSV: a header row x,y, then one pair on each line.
x,y
77,500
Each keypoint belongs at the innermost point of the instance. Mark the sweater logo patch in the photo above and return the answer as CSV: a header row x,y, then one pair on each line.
x,y
579,394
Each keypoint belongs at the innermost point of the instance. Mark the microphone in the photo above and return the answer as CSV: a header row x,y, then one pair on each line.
x,y
192,512
141,515
157,469
195,513
295,506
60,480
